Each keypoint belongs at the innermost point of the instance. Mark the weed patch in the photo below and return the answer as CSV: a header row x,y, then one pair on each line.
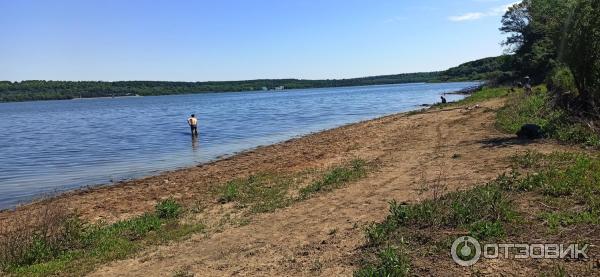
x,y
168,208
62,244
389,262
261,192
335,177
537,109
483,210
266,192
498,210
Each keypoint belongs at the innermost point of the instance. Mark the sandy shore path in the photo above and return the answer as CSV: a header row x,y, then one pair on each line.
x,y
319,236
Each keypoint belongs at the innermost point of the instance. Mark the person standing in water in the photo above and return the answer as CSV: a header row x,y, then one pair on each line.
x,y
193,122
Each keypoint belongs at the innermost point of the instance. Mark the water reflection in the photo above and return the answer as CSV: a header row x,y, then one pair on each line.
x,y
195,143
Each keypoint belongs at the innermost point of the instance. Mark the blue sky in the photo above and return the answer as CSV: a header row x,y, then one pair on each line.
x,y
180,40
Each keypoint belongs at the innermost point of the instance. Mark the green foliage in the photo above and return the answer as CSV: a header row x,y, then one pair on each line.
x,y
89,245
497,69
546,35
566,219
564,175
522,110
555,122
391,262
261,192
569,181
486,229
487,203
582,49
562,81
335,178
30,243
485,93
266,192
535,28
168,208
230,192
482,210
527,160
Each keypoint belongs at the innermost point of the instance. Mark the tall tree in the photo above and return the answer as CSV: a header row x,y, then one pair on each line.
x,y
536,29
582,51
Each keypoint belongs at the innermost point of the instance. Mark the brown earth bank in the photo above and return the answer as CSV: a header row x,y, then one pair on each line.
x,y
321,235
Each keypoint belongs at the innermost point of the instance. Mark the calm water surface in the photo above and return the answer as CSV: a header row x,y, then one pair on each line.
x,y
51,146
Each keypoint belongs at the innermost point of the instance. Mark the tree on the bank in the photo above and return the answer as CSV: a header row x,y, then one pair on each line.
x,y
558,41
582,52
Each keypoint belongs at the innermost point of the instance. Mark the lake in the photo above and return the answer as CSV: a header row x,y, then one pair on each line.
x,y
52,146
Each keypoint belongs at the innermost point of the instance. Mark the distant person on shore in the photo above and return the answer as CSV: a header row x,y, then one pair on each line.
x,y
527,85
193,122
444,101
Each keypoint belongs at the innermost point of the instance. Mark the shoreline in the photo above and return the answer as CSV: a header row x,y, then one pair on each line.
x,y
287,90
82,189
107,188
86,189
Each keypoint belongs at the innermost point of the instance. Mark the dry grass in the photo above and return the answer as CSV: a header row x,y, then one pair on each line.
x,y
37,236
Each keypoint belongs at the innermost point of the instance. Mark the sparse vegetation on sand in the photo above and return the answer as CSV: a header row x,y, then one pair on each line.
x,y
54,241
266,192
545,197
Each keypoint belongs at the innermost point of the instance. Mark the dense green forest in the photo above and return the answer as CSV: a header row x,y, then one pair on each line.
x,y
484,69
557,42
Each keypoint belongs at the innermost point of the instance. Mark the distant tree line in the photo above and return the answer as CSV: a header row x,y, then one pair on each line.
x,y
485,69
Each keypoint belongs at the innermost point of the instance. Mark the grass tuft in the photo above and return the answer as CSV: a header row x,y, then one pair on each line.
x,y
335,177
168,208
391,262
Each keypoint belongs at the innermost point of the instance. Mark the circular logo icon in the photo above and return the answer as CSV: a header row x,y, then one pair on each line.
x,y
466,251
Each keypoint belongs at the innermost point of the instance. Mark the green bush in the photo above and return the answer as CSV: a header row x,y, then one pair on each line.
x,y
562,81
168,208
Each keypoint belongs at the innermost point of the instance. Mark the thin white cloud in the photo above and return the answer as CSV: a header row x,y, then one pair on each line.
x,y
466,17
495,11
